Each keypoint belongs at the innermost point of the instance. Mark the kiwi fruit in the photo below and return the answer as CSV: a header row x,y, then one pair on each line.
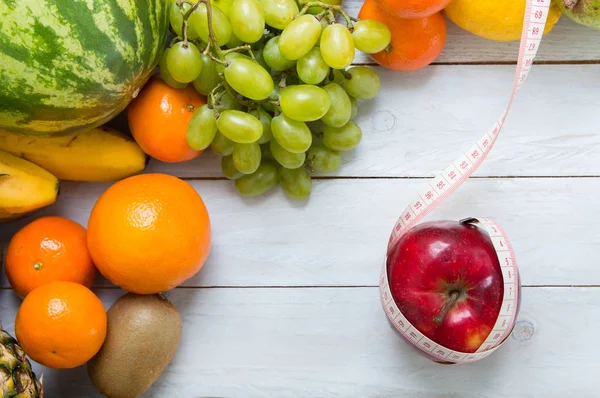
x,y
142,337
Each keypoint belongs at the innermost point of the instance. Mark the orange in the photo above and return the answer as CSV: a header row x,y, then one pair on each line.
x,y
158,120
46,250
415,42
149,233
412,8
61,325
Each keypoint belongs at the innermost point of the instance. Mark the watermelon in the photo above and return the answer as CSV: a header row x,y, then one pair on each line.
x,y
70,65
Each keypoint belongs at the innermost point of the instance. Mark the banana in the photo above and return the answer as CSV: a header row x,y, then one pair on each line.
x,y
24,187
97,155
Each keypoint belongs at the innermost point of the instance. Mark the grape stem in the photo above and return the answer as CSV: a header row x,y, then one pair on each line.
x,y
282,81
218,60
245,47
330,8
185,21
233,94
211,95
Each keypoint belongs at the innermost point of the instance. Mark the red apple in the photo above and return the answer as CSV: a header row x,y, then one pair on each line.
x,y
445,278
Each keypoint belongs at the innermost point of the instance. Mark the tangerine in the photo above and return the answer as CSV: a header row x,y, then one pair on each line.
x,y
61,325
158,120
415,42
46,250
413,8
149,233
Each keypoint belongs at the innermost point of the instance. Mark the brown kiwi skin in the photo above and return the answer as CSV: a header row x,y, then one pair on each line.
x,y
142,337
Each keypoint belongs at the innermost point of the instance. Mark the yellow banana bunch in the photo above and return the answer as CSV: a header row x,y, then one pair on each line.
x,y
24,187
98,155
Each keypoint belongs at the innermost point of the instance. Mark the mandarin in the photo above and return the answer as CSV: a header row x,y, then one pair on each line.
x,y
413,8
158,120
149,233
61,325
46,250
415,42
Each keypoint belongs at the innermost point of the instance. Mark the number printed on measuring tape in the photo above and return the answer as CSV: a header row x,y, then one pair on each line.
x,y
449,180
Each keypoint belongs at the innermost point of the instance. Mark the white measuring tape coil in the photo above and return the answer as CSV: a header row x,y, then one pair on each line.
x,y
448,181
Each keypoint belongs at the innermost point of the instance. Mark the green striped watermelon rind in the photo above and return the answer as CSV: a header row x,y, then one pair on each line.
x,y
70,65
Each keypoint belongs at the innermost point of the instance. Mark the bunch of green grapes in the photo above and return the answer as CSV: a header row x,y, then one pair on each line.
x,y
281,92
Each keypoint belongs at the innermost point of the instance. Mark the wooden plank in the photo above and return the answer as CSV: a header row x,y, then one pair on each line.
x,y
338,236
420,123
566,42
337,342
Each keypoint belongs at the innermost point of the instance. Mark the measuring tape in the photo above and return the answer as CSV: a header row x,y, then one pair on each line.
x,y
448,181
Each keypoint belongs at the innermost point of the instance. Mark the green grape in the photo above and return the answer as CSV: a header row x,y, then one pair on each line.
x,y
279,13
337,46
239,126
259,182
222,145
176,13
342,138
265,120
247,20
296,183
164,72
292,135
249,79
338,77
299,37
198,24
371,36
226,101
235,55
340,111
201,128
305,102
234,42
354,104
266,154
311,68
209,77
184,62
260,59
322,159
316,9
363,83
285,158
223,5
273,56
228,168
246,157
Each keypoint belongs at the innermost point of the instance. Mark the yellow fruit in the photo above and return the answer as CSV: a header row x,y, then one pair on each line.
x,y
24,187
97,155
494,20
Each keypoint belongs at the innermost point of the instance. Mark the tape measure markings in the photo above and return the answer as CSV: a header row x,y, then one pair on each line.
x,y
444,184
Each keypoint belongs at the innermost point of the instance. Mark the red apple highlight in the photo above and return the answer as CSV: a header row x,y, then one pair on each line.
x,y
445,277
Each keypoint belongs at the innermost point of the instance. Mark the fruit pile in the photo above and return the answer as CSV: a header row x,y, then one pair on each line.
x,y
146,234
280,94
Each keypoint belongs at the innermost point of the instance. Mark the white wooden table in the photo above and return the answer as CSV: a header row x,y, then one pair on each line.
x,y
287,305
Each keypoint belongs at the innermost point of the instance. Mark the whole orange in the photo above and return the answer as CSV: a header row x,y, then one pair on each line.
x,y
415,42
46,250
413,8
158,120
149,233
61,325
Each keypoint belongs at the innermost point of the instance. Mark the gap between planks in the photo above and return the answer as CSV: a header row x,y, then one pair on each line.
x,y
494,63
233,287
322,177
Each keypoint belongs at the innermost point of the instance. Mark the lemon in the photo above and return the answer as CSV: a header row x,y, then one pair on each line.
x,y
495,20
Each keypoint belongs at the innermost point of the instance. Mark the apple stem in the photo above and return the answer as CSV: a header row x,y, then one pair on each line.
x,y
454,295
570,4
